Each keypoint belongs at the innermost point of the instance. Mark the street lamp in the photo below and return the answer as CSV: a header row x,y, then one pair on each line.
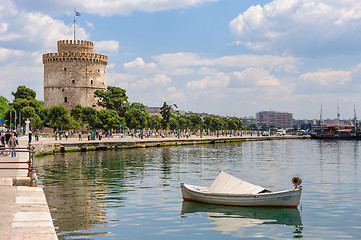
x,y
217,127
201,125
178,125
93,135
141,135
230,128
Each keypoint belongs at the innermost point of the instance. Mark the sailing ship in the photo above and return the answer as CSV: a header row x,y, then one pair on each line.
x,y
338,130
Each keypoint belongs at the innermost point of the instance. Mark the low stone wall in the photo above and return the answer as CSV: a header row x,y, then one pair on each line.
x,y
115,143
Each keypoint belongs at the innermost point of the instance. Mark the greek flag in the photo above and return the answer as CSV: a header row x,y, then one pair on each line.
x,y
77,14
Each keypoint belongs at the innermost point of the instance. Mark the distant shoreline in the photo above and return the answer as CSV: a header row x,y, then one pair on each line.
x,y
49,146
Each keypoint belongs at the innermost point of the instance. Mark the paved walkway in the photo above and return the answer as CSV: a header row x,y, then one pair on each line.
x,y
24,212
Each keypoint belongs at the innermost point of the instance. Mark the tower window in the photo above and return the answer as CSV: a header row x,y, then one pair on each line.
x,y
98,69
65,99
64,68
62,90
91,81
73,81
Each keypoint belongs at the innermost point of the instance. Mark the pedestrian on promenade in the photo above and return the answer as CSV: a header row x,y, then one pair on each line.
x,y
88,136
80,138
56,135
12,144
100,135
30,136
7,137
66,135
3,138
37,136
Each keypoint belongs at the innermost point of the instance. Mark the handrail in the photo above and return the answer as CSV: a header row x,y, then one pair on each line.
x,y
31,162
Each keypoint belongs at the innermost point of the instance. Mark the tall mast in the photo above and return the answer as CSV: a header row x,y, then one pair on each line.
x,y
321,118
338,115
354,117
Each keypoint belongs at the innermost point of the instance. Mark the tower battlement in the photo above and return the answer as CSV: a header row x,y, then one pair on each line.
x,y
75,46
75,56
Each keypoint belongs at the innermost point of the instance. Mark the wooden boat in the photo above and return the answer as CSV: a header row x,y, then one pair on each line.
x,y
229,190
337,131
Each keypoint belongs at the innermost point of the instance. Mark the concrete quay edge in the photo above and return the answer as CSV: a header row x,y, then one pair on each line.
x,y
50,145
24,211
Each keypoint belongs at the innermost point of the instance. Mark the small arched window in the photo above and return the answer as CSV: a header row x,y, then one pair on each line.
x,y
91,81
73,81
62,90
64,68
65,99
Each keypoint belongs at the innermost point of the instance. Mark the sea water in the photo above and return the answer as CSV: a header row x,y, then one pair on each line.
x,y
135,193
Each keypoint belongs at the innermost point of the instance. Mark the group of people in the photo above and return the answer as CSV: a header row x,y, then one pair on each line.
x,y
10,139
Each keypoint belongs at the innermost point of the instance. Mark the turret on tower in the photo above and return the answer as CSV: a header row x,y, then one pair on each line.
x,y
73,74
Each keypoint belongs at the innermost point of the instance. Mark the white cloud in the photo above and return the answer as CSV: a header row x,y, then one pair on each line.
x,y
126,7
305,27
139,63
207,71
162,79
180,60
108,46
6,54
20,28
255,77
327,77
218,80
109,7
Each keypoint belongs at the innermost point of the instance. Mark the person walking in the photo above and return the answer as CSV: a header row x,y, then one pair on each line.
x,y
80,138
30,136
37,136
12,144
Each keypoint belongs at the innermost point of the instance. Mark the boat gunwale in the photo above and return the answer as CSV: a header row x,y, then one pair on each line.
x,y
272,193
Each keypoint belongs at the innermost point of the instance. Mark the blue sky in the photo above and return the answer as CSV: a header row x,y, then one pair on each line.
x,y
227,57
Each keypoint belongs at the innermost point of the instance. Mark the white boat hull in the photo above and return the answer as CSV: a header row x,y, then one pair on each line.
x,y
289,198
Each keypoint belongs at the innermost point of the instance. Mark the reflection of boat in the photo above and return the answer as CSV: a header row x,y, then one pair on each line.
x,y
229,190
232,218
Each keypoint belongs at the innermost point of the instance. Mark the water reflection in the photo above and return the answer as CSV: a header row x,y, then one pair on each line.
x,y
232,219
73,189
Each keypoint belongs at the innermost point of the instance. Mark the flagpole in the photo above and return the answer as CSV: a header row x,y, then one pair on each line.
x,y
74,23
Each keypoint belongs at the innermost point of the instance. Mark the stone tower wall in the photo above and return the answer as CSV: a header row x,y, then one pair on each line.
x,y
73,74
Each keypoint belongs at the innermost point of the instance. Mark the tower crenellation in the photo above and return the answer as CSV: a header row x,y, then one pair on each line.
x,y
73,74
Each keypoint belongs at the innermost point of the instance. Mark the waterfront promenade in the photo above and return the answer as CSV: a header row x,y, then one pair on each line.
x,y
49,144
24,212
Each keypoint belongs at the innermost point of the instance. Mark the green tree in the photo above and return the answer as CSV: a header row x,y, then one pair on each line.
x,y
196,122
35,119
77,112
59,118
24,93
4,106
109,119
165,111
24,98
154,122
113,98
133,118
173,124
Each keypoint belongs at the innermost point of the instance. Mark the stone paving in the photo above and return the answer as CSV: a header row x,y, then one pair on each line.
x,y
24,211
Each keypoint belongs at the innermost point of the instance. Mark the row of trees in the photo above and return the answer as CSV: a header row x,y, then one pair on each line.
x,y
116,110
